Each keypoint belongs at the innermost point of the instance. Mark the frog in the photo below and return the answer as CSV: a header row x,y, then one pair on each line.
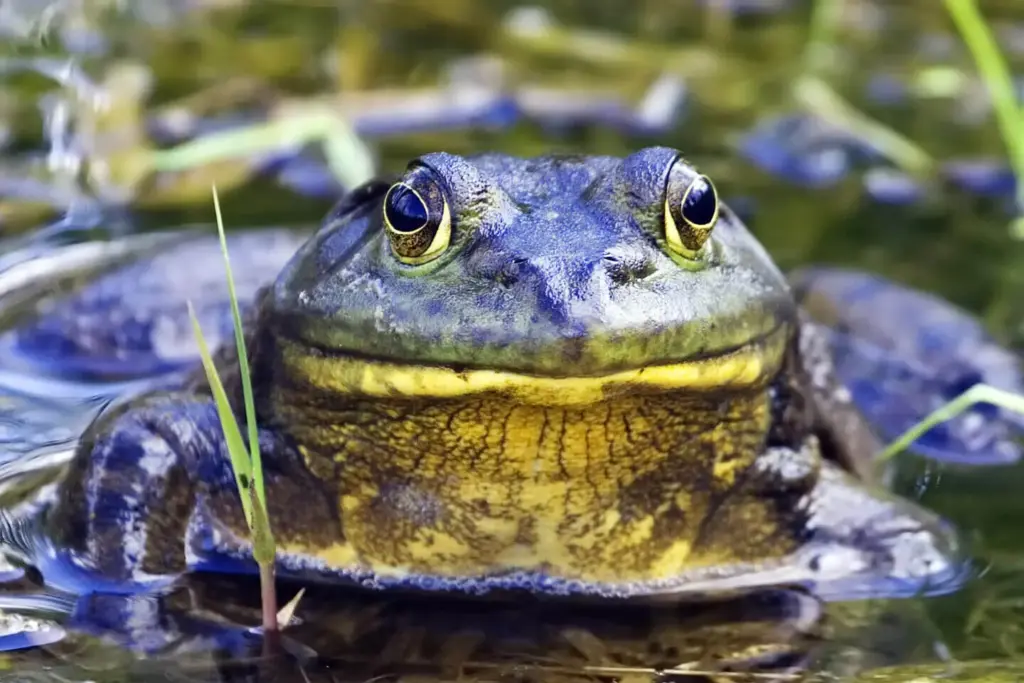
x,y
568,376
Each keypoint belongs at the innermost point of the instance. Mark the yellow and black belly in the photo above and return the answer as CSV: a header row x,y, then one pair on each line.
x,y
637,477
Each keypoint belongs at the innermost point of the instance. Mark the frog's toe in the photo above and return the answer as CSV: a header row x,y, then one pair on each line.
x,y
904,353
133,321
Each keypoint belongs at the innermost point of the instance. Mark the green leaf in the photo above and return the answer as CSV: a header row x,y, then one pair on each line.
x,y
246,462
243,363
240,462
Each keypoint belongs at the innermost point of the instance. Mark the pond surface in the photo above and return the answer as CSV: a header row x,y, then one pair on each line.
x,y
95,88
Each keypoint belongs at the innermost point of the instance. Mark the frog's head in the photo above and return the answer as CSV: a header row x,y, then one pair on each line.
x,y
557,279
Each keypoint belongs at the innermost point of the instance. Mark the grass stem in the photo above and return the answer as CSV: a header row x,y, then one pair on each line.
x,y
246,462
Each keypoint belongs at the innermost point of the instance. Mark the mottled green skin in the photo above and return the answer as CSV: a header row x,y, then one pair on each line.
x,y
558,274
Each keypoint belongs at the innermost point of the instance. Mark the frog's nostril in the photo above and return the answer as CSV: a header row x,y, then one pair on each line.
x,y
509,273
625,268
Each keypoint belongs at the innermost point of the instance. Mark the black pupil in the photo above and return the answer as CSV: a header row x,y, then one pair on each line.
x,y
700,203
405,210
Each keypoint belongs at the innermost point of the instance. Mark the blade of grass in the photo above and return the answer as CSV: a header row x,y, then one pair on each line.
x,y
979,393
819,98
307,122
264,551
996,75
824,21
246,463
241,465
243,362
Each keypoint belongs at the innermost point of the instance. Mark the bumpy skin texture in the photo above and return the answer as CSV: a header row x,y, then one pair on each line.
x,y
555,404
557,266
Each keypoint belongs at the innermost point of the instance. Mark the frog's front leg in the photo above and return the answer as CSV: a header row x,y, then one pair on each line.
x,y
150,494
125,505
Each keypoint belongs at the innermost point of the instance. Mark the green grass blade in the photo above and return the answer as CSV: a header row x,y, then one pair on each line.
x,y
820,99
996,75
241,465
243,362
347,155
237,143
263,550
979,393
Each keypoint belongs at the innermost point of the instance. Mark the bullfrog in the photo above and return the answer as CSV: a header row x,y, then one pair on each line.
x,y
570,376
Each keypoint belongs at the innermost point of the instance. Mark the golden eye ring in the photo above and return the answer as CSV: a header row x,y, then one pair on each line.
x,y
691,211
417,218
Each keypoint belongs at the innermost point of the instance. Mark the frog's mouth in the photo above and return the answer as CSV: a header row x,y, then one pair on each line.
x,y
750,365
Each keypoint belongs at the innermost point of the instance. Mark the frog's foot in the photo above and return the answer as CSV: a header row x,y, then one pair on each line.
x,y
866,544
855,541
904,353
133,321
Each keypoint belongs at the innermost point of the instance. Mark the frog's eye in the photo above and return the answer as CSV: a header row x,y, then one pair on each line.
x,y
416,218
691,211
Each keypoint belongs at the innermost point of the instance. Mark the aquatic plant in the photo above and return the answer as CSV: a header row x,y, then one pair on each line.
x,y
246,462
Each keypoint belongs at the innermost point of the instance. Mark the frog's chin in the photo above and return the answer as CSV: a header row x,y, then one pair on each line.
x,y
749,366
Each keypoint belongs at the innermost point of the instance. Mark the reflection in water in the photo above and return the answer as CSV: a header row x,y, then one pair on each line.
x,y
205,626
374,633
362,635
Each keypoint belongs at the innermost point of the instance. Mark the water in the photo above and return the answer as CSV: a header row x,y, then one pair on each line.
x,y
113,80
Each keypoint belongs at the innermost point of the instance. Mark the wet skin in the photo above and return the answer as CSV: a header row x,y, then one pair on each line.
x,y
559,375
